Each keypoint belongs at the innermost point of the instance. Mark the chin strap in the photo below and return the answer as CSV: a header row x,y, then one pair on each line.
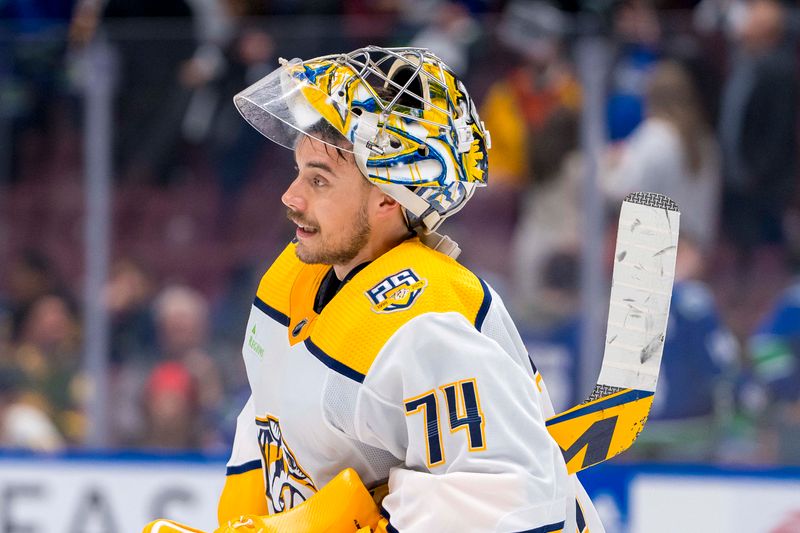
x,y
428,217
440,243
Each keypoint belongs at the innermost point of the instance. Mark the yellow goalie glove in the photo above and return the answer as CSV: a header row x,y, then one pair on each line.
x,y
343,505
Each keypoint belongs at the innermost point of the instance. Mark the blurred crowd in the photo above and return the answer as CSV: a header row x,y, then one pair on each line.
x,y
701,103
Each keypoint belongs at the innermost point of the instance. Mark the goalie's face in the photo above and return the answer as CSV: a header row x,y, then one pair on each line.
x,y
329,200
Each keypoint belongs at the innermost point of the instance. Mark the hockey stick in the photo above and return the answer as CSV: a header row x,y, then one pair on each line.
x,y
608,422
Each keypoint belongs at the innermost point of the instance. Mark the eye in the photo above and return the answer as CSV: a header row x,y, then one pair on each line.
x,y
319,181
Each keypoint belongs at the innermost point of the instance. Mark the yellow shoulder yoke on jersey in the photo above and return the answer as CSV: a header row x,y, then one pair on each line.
x,y
278,283
408,281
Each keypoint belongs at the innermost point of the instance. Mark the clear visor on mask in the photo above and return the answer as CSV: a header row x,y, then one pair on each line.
x,y
280,107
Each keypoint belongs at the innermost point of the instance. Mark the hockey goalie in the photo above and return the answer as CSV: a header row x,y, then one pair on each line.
x,y
390,388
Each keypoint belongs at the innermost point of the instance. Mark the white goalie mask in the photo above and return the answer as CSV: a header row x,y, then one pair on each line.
x,y
411,125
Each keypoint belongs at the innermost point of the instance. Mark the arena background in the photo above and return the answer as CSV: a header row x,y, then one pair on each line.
x,y
138,211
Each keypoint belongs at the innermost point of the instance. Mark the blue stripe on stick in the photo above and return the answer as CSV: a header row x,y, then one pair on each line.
x,y
604,403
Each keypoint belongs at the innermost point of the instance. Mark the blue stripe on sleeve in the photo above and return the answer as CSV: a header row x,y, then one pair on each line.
x,y
389,527
484,309
241,469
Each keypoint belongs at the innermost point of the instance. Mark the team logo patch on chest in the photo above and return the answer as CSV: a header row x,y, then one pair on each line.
x,y
397,292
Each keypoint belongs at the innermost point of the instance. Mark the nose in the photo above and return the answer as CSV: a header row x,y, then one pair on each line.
x,y
293,197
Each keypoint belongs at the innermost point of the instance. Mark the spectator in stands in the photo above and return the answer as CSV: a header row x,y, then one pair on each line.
x,y
182,322
518,105
638,41
757,130
450,33
245,58
758,139
49,355
672,152
550,213
171,408
516,108
129,295
148,114
24,422
32,275
553,337
129,298
774,350
33,92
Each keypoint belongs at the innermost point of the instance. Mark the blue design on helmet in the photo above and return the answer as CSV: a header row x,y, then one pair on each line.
x,y
414,129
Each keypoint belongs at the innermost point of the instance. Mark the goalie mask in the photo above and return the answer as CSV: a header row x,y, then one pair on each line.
x,y
411,126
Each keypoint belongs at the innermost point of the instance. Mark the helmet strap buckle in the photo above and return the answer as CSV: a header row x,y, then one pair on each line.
x,y
364,136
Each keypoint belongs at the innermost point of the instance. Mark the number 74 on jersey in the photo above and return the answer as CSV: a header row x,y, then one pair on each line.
x,y
610,420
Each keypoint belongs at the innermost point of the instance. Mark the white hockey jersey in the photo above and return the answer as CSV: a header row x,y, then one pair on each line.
x,y
414,375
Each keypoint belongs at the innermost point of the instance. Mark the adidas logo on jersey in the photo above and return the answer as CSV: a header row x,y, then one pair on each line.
x,y
397,292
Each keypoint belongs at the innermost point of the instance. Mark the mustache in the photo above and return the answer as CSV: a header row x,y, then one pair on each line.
x,y
298,219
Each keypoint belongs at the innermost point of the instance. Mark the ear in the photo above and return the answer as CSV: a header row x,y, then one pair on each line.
x,y
384,204
387,202
388,212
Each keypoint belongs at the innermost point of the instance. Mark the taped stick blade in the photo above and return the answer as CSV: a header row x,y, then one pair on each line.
x,y
641,289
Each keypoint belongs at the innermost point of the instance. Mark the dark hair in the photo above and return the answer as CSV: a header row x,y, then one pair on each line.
x,y
333,138
324,131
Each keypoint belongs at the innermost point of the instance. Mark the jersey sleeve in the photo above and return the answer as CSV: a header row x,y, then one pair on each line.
x,y
467,420
244,491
